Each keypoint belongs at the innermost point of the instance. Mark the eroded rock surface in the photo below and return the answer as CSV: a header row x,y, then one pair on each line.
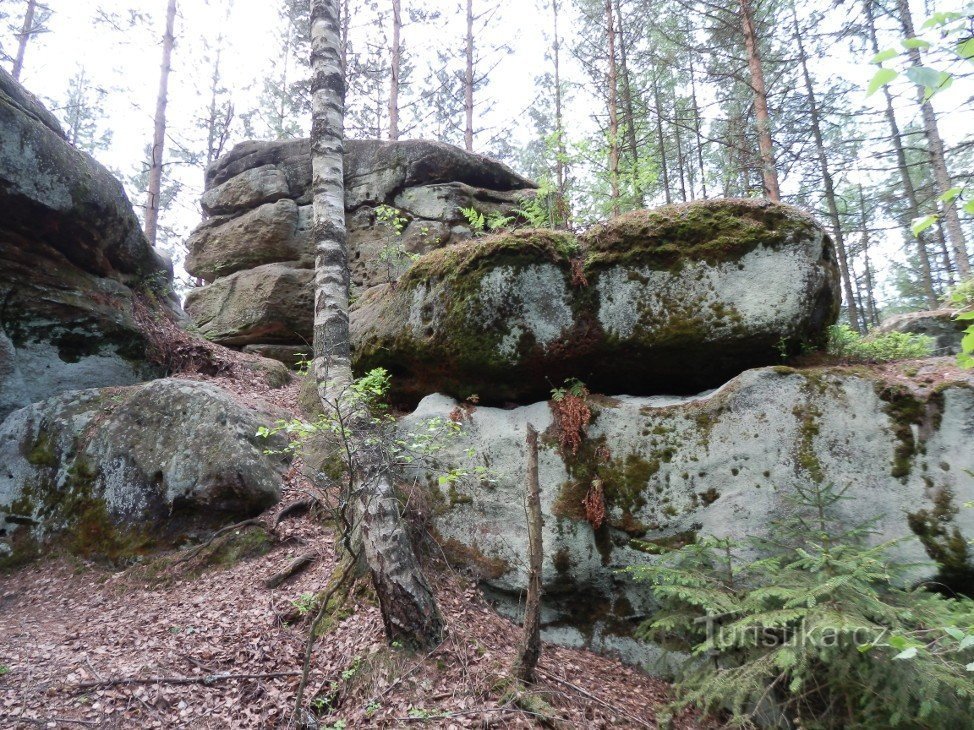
x,y
722,463
113,471
672,300
72,261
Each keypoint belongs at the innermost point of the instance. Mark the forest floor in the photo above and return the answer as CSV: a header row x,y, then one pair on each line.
x,y
191,646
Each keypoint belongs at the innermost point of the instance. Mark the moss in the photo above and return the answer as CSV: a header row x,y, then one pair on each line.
x,y
944,542
907,410
709,497
471,557
660,545
562,561
42,453
714,231
464,259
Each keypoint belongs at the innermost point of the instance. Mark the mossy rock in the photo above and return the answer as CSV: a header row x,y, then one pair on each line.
x,y
674,300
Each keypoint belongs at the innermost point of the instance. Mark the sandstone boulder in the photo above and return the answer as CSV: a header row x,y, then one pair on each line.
x,y
267,234
249,189
268,304
73,261
722,463
672,300
940,324
114,471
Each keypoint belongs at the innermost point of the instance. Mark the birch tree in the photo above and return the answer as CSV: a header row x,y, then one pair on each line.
x,y
406,601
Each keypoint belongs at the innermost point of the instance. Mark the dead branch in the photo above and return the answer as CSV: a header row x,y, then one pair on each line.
x,y
298,565
206,679
294,509
589,695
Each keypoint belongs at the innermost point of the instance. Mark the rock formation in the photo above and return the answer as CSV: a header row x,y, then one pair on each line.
x,y
940,324
672,300
73,262
255,249
112,472
721,463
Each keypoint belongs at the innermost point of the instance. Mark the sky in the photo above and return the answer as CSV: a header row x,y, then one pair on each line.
x,y
127,65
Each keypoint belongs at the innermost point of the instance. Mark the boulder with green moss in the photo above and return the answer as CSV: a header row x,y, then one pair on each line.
x,y
73,264
722,463
671,300
113,472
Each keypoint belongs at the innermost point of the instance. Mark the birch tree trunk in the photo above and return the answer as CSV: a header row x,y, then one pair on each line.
x,y
768,171
529,650
611,83
395,68
913,205
23,39
468,82
409,611
159,132
938,161
827,183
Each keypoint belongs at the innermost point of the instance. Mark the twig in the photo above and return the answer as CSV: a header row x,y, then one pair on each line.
x,y
205,679
296,566
476,711
592,697
47,720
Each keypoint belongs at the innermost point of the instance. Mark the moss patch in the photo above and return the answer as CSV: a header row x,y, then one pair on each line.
x,y
944,542
907,411
714,231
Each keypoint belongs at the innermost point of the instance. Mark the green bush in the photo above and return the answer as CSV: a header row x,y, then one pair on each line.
x,y
846,343
962,297
811,631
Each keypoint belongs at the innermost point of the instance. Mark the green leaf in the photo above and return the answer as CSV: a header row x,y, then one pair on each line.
x,y
966,49
969,207
886,55
898,642
967,642
915,43
951,195
882,77
908,653
967,343
965,316
922,224
954,633
929,78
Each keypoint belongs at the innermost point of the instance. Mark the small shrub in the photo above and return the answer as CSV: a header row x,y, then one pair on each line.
x,y
848,344
962,297
812,630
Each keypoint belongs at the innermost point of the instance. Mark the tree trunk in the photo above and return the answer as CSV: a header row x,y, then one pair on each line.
x,y
561,154
629,125
395,69
25,35
913,205
530,648
468,82
159,134
661,141
871,310
829,186
938,161
768,171
611,83
696,115
406,600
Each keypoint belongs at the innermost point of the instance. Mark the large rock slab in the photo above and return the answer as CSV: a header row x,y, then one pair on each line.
x,y
267,234
940,324
270,304
114,471
72,261
722,463
672,300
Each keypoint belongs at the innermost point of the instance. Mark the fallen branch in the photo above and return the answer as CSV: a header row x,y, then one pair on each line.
x,y
295,508
206,679
589,695
193,552
299,564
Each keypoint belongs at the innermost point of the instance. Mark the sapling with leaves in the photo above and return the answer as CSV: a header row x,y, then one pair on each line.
x,y
962,297
812,629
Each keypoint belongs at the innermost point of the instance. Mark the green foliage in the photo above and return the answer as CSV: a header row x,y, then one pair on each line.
x,y
846,343
4,670
304,603
962,297
394,254
811,630
573,386
491,223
